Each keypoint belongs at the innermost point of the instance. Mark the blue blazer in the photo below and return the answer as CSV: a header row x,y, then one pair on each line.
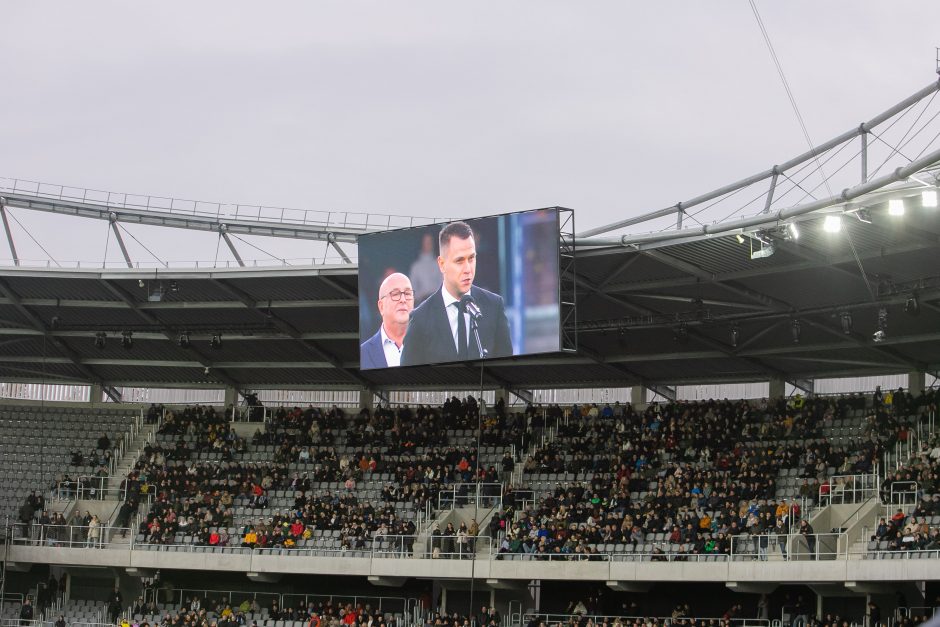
x,y
371,353
429,339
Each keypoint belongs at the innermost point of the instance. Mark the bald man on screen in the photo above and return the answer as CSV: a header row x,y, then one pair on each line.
x,y
396,301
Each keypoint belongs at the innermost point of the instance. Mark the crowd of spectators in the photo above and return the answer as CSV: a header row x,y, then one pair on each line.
x,y
918,478
220,612
690,475
695,475
197,497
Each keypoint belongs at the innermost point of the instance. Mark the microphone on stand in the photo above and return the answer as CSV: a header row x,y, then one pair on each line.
x,y
470,306
467,304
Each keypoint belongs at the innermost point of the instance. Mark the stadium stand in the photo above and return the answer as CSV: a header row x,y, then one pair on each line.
x,y
65,447
671,482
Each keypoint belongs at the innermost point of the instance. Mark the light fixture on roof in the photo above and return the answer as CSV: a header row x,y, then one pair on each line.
x,y
833,223
845,319
767,247
863,215
101,339
155,294
127,340
184,341
795,330
882,332
912,306
929,198
794,232
896,207
735,335
216,341
740,238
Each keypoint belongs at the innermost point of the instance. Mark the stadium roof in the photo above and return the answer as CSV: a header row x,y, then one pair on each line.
x,y
680,312
845,284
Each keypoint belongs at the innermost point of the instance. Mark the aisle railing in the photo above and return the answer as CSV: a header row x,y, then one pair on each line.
x,y
744,547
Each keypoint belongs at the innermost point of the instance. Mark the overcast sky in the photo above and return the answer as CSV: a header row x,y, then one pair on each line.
x,y
429,108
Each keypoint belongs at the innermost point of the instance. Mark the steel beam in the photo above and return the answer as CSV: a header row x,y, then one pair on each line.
x,y
192,221
231,246
776,217
120,241
807,385
663,390
812,153
37,323
168,333
289,330
6,228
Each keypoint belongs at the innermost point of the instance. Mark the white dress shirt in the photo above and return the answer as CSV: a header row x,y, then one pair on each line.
x,y
392,350
450,306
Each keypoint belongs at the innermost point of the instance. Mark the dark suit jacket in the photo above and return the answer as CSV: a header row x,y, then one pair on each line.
x,y
371,353
429,339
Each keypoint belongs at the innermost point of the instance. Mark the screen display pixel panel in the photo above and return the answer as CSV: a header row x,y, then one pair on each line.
x,y
452,292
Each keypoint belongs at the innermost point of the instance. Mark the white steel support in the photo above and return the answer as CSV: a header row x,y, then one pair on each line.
x,y
120,240
773,218
223,231
863,136
6,227
812,153
331,238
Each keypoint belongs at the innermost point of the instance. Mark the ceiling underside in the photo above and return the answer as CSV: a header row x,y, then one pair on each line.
x,y
696,311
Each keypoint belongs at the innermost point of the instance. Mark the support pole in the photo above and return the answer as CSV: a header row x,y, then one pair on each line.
x,y
770,192
864,137
331,238
366,400
916,381
223,230
113,219
6,227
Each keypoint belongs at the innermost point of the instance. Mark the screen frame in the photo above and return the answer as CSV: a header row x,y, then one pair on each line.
x,y
558,279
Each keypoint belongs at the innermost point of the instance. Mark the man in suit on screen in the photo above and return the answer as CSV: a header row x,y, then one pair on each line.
x,y
396,302
440,327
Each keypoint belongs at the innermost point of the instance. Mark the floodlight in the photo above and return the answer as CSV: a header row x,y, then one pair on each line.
x,y
929,197
912,307
735,335
216,341
766,250
740,238
832,224
127,340
184,340
896,207
795,331
794,232
100,340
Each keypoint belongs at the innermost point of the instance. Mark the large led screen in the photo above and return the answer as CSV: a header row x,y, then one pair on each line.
x,y
485,287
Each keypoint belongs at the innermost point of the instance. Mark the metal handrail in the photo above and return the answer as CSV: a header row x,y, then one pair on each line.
x,y
219,210
597,619
845,489
477,493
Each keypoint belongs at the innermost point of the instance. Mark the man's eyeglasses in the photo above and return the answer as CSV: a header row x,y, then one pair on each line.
x,y
396,295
